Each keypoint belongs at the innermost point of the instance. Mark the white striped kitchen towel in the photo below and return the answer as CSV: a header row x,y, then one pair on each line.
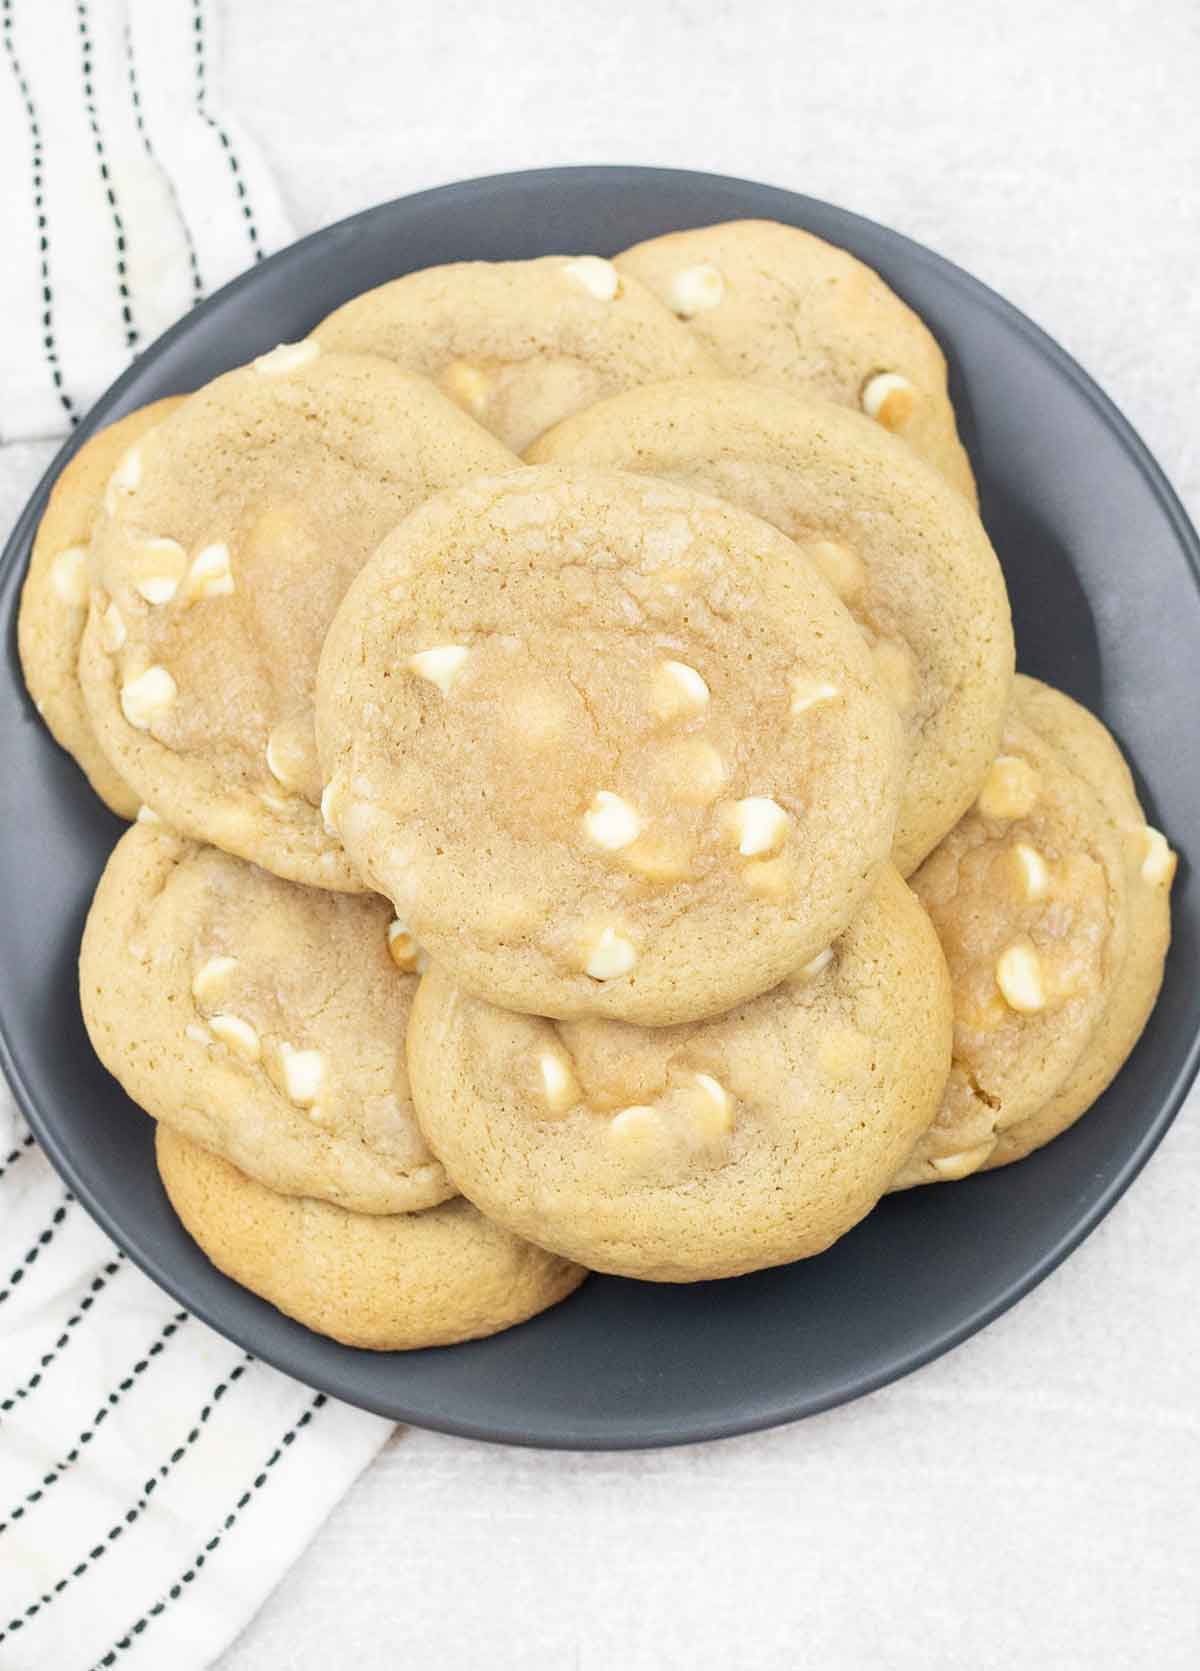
x,y
128,191
155,1481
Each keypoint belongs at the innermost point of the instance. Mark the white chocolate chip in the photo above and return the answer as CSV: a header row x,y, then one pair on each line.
x,y
161,564
896,670
889,398
712,1108
147,815
841,568
760,824
611,822
441,665
1032,872
696,289
303,1074
636,1132
327,794
197,1033
1010,789
239,1035
816,965
809,693
69,576
598,277
112,629
287,356
406,954
210,976
962,1164
1158,861
611,955
124,479
211,574
1019,977
679,691
290,755
466,384
146,698
559,1084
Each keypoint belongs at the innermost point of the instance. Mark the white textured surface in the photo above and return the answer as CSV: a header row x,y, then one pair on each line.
x,y
1033,1500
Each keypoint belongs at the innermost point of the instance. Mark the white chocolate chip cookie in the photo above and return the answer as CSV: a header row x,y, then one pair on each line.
x,y
505,764
217,569
677,1154
1054,936
777,305
905,554
520,344
262,1019
391,1282
54,602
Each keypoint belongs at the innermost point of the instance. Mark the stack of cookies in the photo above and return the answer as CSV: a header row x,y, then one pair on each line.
x,y
585,815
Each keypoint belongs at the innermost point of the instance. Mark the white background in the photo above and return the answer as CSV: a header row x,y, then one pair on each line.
x,y
1032,1501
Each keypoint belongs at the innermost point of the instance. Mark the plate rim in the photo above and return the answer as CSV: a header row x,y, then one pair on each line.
x,y
784,1410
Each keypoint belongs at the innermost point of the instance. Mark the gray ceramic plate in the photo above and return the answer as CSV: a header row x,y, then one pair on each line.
x,y
1102,566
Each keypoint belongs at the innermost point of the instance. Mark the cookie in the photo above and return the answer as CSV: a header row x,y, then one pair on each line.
x,y
262,1019
1090,751
776,305
901,548
607,745
388,1284
1050,900
229,535
54,600
520,344
683,1153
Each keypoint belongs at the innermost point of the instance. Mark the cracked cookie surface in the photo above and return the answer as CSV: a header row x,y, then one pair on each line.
x,y
607,746
1051,902
54,600
230,534
908,558
520,344
262,1019
776,305
678,1154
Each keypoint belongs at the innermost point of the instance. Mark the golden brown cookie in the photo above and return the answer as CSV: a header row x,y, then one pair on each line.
x,y
779,306
1051,902
263,1019
54,600
1089,749
230,533
607,745
389,1284
904,552
678,1154
520,344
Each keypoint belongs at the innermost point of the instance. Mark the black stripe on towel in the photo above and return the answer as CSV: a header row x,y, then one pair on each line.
x,y
235,168
131,1515
135,98
11,1159
44,1240
102,1414
49,344
97,1287
198,1561
87,50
